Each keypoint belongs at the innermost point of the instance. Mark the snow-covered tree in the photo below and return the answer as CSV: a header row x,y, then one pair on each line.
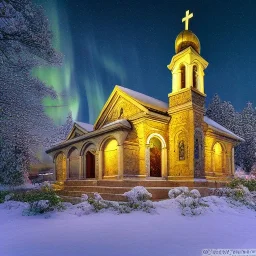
x,y
25,43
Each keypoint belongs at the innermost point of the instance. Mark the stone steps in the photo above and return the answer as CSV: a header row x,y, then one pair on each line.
x,y
145,183
116,193
114,189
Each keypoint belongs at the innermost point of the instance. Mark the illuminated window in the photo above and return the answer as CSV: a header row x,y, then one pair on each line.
x,y
195,76
183,76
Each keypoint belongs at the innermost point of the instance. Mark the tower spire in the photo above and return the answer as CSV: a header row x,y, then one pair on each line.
x,y
186,19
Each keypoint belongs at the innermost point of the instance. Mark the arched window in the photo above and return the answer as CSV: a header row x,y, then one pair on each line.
x,y
218,157
195,76
183,77
181,150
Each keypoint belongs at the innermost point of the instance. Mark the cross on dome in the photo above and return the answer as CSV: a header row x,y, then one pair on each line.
x,y
186,19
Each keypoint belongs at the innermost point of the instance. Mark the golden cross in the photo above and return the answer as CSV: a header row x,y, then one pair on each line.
x,y
186,19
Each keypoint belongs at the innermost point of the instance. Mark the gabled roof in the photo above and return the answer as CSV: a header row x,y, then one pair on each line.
x,y
217,127
122,124
82,127
85,126
142,101
145,100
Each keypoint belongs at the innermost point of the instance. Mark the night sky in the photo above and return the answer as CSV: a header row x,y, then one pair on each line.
x,y
130,43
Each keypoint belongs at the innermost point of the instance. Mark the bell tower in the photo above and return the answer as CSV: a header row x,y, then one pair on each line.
x,y
186,107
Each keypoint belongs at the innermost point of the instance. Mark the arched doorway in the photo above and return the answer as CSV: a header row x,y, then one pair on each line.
x,y
155,157
90,165
110,159
218,157
74,164
60,167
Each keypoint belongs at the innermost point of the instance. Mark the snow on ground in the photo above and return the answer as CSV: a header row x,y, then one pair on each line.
x,y
163,233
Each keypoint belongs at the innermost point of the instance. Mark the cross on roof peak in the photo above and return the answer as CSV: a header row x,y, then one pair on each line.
x,y
186,19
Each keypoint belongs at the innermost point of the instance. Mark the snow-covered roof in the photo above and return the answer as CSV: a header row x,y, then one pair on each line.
x,y
145,99
85,126
124,122
218,127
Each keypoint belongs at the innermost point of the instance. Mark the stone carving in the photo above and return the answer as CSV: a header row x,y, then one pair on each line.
x,y
181,118
123,109
180,98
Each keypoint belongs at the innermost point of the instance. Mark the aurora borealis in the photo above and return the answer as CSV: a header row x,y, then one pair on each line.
x,y
129,43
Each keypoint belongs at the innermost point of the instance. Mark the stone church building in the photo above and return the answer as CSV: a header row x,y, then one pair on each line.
x,y
138,137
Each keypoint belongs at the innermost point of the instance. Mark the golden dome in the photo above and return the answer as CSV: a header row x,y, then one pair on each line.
x,y
185,39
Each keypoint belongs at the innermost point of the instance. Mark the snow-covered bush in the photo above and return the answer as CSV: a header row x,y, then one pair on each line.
x,y
138,199
84,197
83,208
137,194
189,201
174,192
38,207
40,200
247,181
239,194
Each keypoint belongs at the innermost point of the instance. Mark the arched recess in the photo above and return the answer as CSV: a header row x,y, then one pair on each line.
x,y
61,167
198,154
195,76
74,163
182,76
181,146
156,156
110,158
218,157
89,157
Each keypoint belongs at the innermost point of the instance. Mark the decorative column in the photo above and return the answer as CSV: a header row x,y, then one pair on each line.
x,y
164,162
147,160
120,153
100,165
176,81
67,168
81,167
189,76
233,161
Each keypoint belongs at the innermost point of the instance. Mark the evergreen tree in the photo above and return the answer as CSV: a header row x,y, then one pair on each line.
x,y
25,43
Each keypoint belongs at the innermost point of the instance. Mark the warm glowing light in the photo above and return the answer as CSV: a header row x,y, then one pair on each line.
x,y
110,158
